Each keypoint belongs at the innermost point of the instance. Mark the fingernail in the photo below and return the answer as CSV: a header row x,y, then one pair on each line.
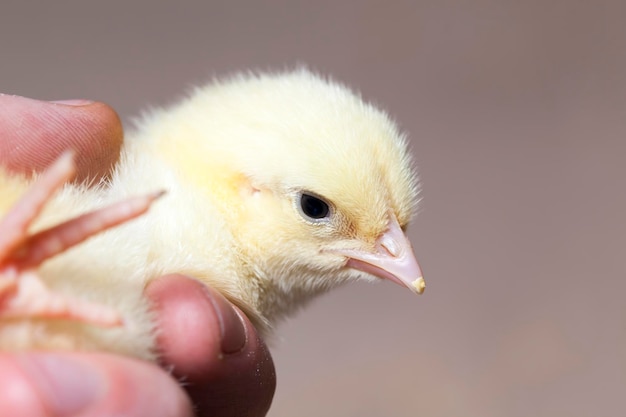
x,y
65,385
73,102
232,328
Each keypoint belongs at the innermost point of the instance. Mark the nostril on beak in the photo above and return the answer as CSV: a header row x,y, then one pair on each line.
x,y
391,246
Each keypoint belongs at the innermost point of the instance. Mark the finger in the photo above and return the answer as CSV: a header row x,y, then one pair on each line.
x,y
213,348
94,385
34,133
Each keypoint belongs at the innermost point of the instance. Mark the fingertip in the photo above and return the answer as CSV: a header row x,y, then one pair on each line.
x,y
43,384
213,347
34,133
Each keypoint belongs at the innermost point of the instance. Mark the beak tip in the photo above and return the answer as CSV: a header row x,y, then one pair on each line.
x,y
419,285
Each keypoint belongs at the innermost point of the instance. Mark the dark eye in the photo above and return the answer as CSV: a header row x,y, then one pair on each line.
x,y
313,207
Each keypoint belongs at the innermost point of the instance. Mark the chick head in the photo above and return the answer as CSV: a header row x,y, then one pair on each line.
x,y
317,184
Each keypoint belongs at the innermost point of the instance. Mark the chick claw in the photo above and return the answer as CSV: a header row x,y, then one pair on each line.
x,y
22,292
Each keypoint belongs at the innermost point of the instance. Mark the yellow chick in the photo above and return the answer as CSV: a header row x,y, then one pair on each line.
x,y
278,187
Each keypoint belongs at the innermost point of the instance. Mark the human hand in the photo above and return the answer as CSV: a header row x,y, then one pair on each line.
x,y
206,342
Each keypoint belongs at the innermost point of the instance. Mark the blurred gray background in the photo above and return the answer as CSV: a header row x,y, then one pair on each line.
x,y
517,115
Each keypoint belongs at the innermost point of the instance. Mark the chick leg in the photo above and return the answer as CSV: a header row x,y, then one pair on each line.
x,y
22,293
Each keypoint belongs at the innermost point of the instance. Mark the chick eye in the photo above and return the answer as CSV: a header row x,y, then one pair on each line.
x,y
314,207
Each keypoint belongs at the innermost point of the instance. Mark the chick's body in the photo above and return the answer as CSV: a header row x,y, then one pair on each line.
x,y
237,160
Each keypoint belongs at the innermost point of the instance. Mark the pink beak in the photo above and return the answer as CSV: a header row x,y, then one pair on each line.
x,y
392,259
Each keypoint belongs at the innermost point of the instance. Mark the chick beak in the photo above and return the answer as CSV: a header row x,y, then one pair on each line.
x,y
392,259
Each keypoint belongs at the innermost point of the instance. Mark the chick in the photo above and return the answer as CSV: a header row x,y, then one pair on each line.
x,y
278,187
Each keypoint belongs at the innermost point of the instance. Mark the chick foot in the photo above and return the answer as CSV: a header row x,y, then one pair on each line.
x,y
22,292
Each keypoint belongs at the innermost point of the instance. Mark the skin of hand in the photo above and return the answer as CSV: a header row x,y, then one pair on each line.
x,y
223,364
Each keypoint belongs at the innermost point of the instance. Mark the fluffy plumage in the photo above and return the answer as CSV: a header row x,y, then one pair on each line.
x,y
235,158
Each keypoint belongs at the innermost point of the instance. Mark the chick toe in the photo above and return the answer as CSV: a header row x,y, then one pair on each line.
x,y
28,297
22,292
